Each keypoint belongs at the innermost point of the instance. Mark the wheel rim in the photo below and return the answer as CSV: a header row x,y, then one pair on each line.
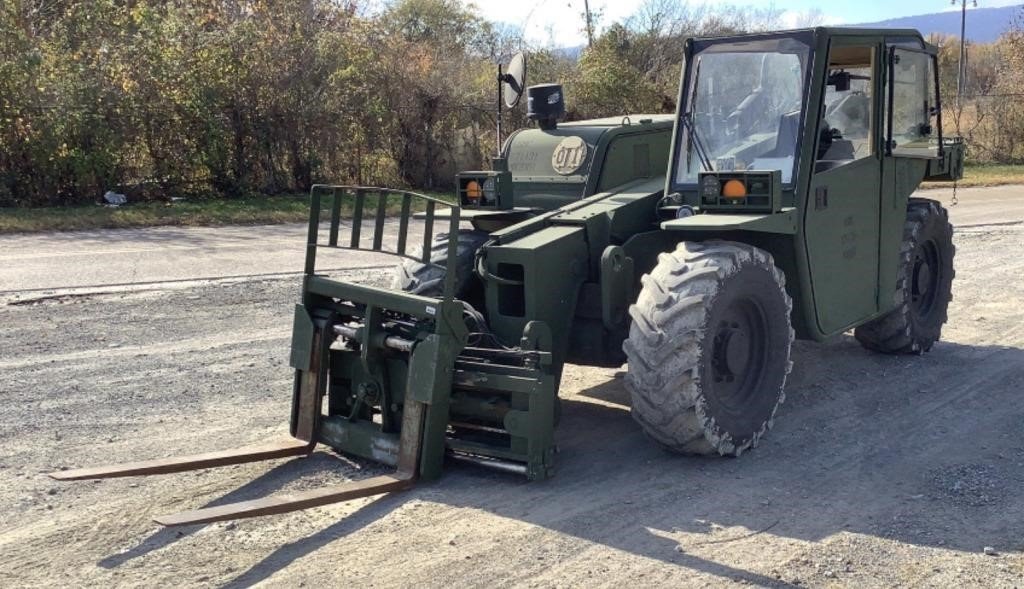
x,y
739,354
924,281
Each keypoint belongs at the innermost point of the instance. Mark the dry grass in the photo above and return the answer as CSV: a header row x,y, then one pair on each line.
x,y
261,210
256,210
986,175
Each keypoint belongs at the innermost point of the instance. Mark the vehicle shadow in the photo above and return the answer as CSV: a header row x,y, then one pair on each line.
x,y
289,553
915,450
919,450
270,482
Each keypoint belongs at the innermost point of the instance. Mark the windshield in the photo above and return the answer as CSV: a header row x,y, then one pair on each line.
x,y
743,107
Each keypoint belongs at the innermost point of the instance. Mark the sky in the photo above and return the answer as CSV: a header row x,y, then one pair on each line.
x,y
544,21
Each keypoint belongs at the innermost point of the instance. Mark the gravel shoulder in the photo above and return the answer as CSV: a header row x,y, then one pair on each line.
x,y
881,471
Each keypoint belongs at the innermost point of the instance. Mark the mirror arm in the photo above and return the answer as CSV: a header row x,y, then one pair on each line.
x,y
498,113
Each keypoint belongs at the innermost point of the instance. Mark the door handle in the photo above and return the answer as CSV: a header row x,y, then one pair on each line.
x,y
821,198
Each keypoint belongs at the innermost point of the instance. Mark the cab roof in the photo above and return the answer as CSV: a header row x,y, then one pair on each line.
x,y
826,31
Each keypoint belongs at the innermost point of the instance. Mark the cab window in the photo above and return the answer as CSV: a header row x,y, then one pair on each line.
x,y
914,103
847,130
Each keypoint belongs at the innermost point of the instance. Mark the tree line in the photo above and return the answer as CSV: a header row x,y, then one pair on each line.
x,y
990,116
161,98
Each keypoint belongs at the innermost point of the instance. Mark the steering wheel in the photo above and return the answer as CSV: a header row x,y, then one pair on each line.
x,y
746,113
826,137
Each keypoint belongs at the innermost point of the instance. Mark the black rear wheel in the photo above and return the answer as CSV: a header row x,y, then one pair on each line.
x,y
925,285
428,279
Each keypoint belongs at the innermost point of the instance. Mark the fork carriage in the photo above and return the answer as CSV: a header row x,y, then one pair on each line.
x,y
491,405
403,386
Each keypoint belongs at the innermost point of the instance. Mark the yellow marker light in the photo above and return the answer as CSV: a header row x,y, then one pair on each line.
x,y
473,191
734,189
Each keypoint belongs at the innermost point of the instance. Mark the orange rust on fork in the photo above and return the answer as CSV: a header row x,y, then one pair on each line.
x,y
286,502
255,453
403,478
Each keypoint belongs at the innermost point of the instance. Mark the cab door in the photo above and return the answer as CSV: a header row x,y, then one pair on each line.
x,y
912,127
843,204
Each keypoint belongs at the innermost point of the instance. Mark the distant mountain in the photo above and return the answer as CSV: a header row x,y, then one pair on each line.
x,y
572,53
984,25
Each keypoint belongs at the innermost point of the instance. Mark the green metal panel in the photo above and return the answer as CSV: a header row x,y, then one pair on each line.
x,y
538,185
950,167
596,222
617,288
615,203
411,304
542,273
516,214
431,367
426,368
805,170
302,339
901,177
360,438
632,156
890,234
783,222
621,121
842,243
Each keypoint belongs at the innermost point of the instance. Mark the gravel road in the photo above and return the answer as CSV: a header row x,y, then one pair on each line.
x,y
881,471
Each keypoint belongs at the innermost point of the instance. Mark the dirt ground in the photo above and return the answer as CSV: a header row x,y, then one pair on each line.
x,y
881,471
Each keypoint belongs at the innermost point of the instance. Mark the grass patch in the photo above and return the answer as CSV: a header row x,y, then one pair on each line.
x,y
985,175
262,210
253,210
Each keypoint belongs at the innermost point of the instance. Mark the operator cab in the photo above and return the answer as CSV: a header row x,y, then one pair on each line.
x,y
773,113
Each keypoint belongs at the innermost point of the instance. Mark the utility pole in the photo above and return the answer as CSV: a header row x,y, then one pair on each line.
x,y
961,71
590,25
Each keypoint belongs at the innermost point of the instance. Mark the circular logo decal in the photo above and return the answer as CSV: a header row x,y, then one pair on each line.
x,y
569,155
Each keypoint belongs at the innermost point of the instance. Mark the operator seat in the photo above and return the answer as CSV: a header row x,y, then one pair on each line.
x,y
785,140
746,114
851,116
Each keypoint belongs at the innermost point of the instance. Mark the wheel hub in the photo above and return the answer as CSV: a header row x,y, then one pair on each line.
x,y
739,352
924,275
924,279
732,351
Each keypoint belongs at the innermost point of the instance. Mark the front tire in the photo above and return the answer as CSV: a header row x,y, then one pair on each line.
x,y
709,348
925,285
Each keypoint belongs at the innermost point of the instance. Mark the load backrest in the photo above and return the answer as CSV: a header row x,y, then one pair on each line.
x,y
365,211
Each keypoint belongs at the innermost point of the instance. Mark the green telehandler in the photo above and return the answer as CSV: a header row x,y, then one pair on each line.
x,y
775,203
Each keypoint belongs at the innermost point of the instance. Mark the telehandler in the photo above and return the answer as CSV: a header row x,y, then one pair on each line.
x,y
694,247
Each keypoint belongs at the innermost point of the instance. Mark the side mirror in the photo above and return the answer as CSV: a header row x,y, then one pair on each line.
x,y
841,81
514,80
